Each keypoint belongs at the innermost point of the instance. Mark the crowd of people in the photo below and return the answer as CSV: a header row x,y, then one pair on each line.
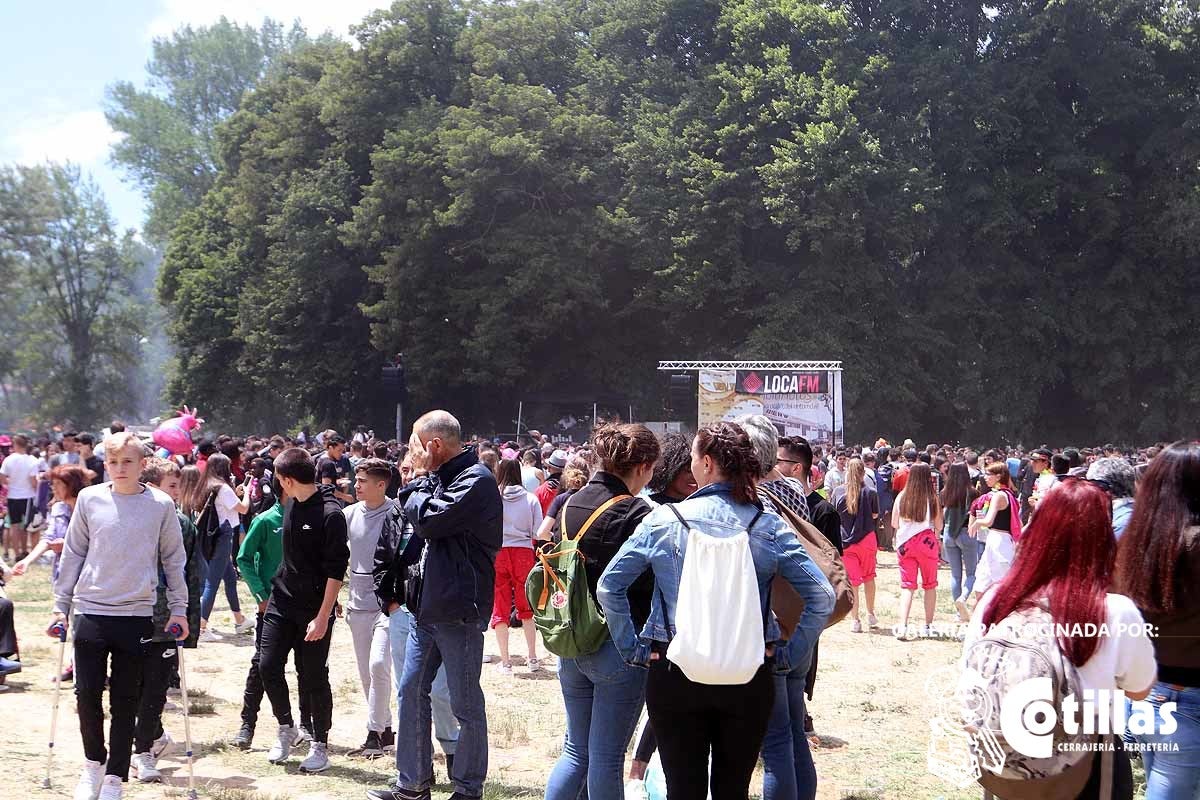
x,y
422,546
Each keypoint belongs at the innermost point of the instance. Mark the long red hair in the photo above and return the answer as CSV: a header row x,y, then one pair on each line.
x,y
1066,554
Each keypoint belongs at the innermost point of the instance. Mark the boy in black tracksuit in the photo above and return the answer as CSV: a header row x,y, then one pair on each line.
x,y
300,610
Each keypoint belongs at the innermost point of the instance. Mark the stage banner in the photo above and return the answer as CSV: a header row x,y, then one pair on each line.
x,y
799,403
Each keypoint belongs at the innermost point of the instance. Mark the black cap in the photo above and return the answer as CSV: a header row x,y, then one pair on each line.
x,y
1041,452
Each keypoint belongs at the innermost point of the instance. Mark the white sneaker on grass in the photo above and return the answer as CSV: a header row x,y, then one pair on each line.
x,y
90,781
147,767
209,635
872,622
856,626
111,789
318,758
282,749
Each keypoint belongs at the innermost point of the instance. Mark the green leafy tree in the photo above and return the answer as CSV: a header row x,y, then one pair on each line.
x,y
197,78
78,323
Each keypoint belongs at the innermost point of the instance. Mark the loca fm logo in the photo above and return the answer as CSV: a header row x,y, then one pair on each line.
x,y
1028,716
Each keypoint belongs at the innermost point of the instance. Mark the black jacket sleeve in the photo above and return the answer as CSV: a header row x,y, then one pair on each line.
x,y
387,572
335,554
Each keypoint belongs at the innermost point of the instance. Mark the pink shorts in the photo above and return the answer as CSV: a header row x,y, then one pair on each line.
x,y
859,559
920,554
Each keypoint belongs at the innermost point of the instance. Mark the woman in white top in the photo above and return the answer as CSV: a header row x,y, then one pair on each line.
x,y
999,527
1066,561
915,516
217,489
522,518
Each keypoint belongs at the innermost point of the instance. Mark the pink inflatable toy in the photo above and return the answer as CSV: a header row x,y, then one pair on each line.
x,y
175,435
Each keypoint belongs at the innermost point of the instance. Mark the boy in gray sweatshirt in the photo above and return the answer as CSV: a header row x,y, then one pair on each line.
x,y
109,578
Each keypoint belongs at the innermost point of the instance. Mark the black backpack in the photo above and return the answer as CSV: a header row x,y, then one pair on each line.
x,y
208,527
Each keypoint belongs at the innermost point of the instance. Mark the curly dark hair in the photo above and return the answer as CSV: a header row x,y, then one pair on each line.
x,y
728,444
676,457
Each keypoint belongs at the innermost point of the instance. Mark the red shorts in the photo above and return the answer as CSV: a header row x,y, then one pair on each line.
x,y
859,559
920,554
512,568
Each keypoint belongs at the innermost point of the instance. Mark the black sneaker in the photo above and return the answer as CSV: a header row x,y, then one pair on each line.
x,y
396,793
387,740
372,747
244,737
461,796
450,768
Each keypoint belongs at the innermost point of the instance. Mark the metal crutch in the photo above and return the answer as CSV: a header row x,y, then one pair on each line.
x,y
177,631
59,630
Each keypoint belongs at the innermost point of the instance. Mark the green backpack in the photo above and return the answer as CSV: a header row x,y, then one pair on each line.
x,y
557,589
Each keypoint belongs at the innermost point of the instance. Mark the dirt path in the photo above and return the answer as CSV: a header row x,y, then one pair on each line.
x,y
871,710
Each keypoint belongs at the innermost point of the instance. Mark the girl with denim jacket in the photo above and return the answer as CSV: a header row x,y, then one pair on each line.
x,y
695,722
1158,567
602,694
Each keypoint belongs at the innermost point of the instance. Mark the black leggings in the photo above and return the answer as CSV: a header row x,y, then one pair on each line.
x,y
125,640
8,628
252,695
692,720
280,636
156,677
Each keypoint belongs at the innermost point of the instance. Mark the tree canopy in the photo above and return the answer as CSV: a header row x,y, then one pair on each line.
x,y
986,210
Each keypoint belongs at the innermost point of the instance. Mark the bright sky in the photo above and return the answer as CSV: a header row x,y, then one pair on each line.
x,y
57,59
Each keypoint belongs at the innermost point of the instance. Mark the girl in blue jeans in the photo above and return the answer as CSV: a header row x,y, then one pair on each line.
x,y
215,494
603,695
962,549
1158,567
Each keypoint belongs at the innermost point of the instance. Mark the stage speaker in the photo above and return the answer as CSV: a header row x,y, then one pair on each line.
x,y
681,395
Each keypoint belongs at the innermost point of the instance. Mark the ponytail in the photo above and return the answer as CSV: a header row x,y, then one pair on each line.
x,y
730,447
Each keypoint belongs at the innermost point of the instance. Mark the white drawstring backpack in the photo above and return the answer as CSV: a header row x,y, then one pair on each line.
x,y
718,638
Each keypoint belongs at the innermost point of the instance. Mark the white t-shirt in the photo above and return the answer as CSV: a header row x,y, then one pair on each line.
x,y
21,470
225,502
1124,660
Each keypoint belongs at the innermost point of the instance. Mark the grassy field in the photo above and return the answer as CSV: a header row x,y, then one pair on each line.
x,y
871,709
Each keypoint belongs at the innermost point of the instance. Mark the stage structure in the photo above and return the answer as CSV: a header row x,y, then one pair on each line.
x,y
802,398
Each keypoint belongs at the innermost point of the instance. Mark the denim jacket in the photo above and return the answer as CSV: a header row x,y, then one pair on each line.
x,y
659,544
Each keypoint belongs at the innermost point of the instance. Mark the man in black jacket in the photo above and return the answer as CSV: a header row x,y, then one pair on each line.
x,y
299,612
457,517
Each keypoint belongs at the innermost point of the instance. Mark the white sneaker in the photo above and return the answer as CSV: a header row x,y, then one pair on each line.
x,y
317,760
856,626
505,669
161,745
90,781
245,626
487,659
302,736
282,748
112,789
147,767
209,635
636,790
535,664
872,622
927,632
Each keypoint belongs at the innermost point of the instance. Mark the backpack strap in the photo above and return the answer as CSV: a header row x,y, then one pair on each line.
x,y
679,516
605,506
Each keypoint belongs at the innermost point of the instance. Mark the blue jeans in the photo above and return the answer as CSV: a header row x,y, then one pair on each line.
x,y
789,771
220,568
962,552
1174,776
603,697
458,645
445,726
